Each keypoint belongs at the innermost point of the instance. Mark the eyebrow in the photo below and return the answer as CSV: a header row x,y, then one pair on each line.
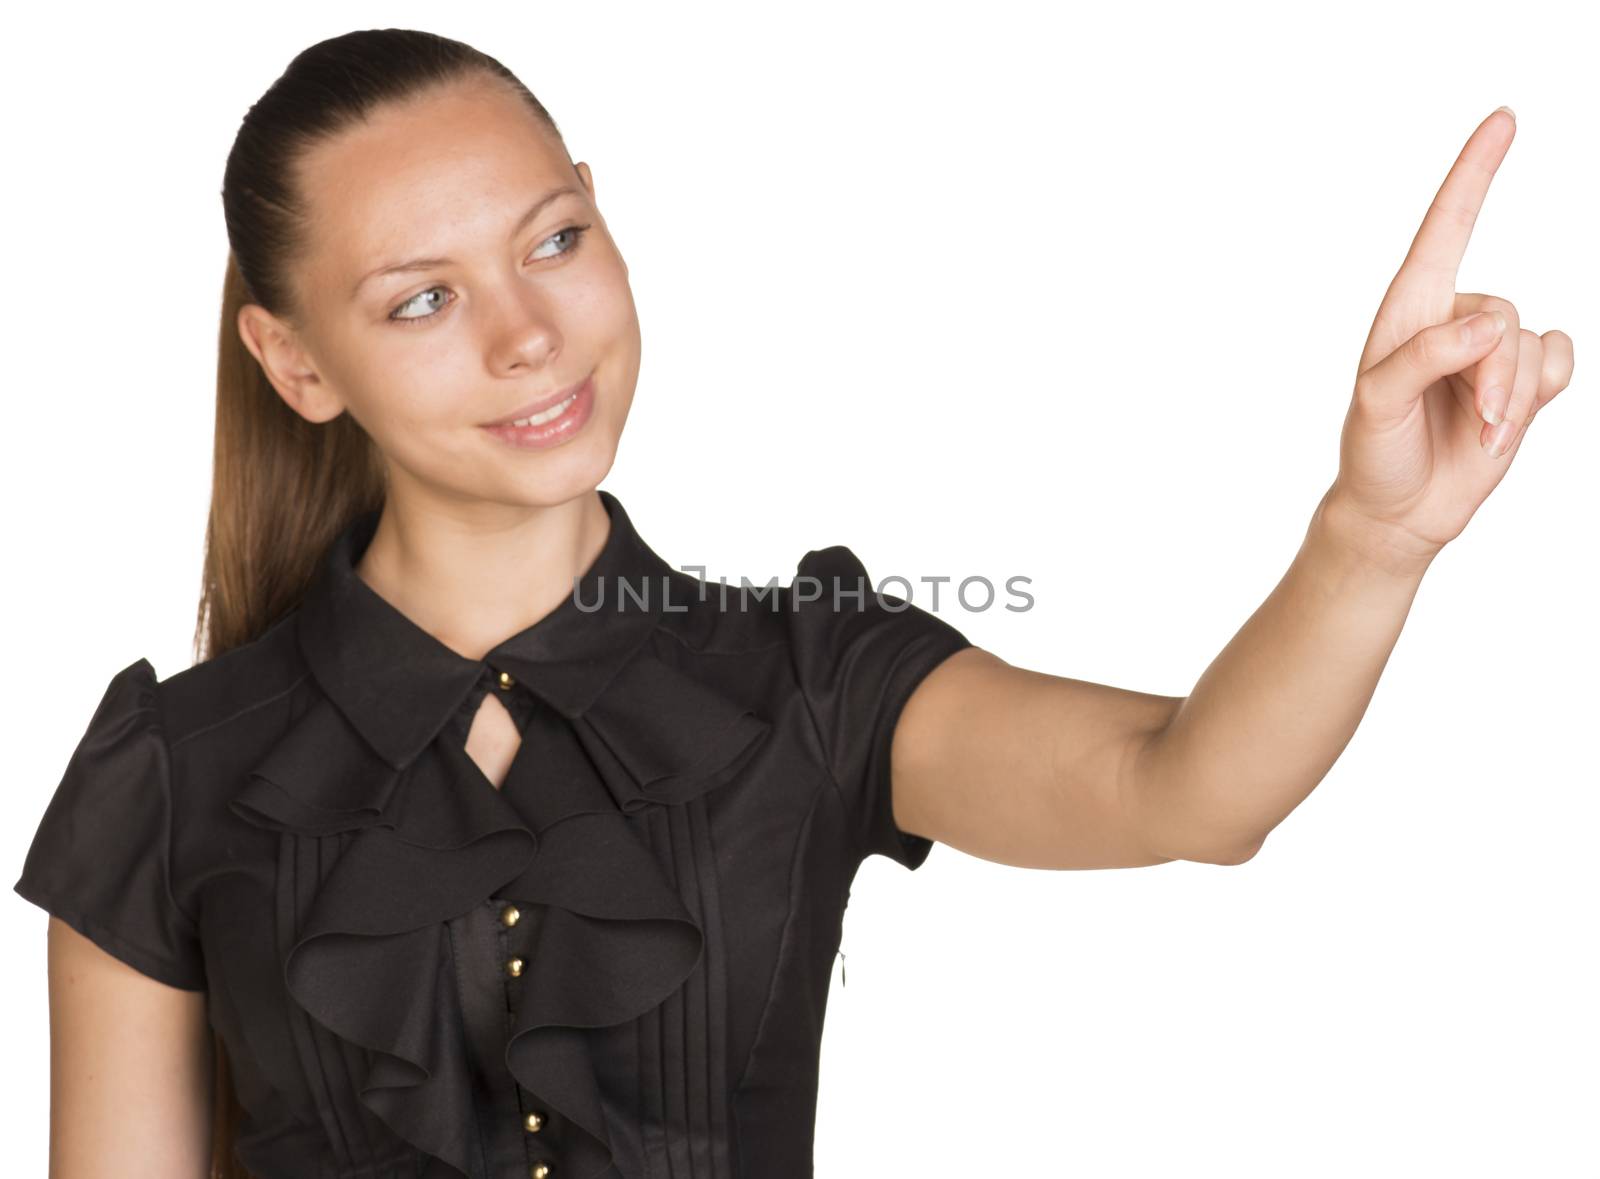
x,y
429,263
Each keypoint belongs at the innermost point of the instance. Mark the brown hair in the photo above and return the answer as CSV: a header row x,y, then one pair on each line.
x,y
283,487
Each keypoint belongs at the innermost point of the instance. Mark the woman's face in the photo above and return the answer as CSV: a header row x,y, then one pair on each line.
x,y
512,292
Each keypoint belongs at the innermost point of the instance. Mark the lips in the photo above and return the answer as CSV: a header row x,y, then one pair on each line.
x,y
543,403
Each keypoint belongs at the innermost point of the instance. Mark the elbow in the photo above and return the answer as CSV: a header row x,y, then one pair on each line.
x,y
1232,854
1177,823
1212,849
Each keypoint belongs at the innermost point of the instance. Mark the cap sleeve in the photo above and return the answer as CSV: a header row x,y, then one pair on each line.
x,y
99,860
858,657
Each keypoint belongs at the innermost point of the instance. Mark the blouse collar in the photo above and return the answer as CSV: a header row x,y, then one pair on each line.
x,y
398,685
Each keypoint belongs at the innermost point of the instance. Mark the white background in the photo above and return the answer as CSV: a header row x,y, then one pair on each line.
x,y
1074,294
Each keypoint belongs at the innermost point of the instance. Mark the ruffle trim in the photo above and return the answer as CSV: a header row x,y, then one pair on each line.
x,y
431,841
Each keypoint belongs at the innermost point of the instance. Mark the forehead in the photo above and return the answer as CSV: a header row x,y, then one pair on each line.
x,y
450,166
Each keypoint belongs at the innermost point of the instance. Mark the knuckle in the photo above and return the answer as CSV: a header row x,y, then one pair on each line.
x,y
1422,349
1455,214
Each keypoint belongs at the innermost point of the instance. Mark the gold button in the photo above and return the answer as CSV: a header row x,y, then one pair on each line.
x,y
510,915
515,967
540,1171
533,1123
505,679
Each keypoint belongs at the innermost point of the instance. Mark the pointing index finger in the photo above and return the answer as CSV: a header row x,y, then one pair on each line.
x,y
1441,242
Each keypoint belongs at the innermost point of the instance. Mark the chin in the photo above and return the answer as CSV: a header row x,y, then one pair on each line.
x,y
567,471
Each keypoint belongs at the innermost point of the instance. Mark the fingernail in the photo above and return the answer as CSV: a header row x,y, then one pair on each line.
x,y
1508,111
1494,404
1484,326
1499,438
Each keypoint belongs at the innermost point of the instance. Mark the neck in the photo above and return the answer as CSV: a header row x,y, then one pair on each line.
x,y
472,579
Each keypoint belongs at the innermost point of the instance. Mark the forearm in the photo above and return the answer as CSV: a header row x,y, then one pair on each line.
x,y
1277,706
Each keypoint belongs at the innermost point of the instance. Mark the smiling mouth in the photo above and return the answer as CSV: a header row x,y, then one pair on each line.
x,y
549,423
548,415
545,409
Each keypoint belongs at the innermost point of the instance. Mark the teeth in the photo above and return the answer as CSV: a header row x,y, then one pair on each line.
x,y
548,415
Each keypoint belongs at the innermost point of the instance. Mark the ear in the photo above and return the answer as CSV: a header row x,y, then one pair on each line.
x,y
278,349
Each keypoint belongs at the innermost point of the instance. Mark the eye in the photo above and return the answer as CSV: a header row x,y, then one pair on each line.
x,y
396,316
573,234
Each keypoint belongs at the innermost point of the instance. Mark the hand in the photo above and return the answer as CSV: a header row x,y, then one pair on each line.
x,y
1443,396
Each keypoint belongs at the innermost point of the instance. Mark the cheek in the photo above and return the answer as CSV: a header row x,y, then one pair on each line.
x,y
622,342
621,373
415,414
417,388
600,305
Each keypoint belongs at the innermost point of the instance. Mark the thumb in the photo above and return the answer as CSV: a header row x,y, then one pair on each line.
x,y
1393,385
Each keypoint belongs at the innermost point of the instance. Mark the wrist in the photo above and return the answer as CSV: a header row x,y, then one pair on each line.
x,y
1366,545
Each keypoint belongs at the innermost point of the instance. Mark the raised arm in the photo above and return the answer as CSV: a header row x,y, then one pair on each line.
x,y
1040,771
130,1068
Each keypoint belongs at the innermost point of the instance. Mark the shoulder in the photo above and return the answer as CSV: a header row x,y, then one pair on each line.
x,y
738,616
721,616
832,629
830,599
842,621
232,686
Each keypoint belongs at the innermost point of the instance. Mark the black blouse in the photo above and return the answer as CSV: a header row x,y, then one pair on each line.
x,y
616,964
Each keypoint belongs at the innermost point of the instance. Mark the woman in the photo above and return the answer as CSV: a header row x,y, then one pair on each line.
x,y
419,898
